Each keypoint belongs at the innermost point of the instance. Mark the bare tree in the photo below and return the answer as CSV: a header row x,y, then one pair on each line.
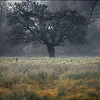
x,y
93,12
91,8
33,22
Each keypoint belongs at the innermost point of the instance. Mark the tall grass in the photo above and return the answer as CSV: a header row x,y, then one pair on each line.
x,y
46,78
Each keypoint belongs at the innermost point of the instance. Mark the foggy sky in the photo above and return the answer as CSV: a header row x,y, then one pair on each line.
x,y
93,34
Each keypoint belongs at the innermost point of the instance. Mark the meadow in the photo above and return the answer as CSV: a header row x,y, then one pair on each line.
x,y
44,78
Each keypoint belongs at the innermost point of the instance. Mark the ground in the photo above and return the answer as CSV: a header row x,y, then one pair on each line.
x,y
44,78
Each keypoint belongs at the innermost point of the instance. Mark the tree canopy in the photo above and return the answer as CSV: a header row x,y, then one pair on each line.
x,y
34,23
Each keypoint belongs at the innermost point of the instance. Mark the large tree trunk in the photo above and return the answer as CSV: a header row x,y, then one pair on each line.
x,y
51,51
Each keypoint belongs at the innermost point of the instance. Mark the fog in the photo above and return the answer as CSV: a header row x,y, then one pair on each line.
x,y
93,35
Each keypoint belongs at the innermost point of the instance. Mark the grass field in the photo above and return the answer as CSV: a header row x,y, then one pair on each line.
x,y
44,78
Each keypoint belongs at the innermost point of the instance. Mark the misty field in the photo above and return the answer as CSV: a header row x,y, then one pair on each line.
x,y
44,78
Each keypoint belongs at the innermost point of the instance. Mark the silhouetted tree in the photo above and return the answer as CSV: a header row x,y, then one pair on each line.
x,y
94,12
33,22
93,17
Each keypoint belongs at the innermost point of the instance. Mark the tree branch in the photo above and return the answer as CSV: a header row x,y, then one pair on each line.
x,y
96,14
94,21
